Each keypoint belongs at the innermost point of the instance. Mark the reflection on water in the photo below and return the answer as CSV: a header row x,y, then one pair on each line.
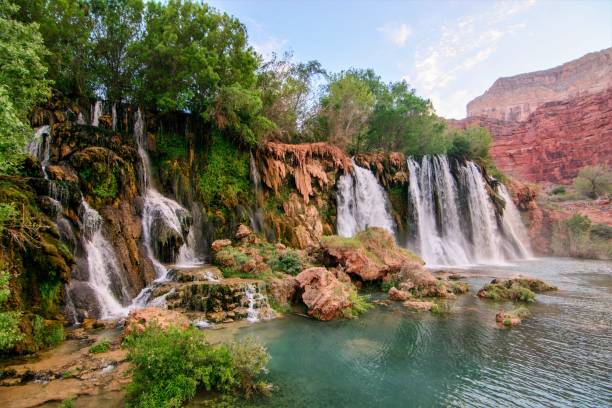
x,y
395,358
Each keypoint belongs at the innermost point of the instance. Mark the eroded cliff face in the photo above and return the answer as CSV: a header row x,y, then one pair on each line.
x,y
555,141
515,98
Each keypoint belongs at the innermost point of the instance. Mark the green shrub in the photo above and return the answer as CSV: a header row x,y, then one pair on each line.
x,y
170,366
601,231
594,181
359,305
10,333
48,333
558,190
100,347
289,261
67,403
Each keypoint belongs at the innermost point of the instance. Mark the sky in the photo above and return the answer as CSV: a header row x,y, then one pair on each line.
x,y
449,51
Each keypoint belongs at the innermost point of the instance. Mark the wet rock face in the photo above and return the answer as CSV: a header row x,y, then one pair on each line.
x,y
515,98
324,295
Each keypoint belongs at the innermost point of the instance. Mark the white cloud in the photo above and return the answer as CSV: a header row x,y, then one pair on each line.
x,y
396,33
463,45
268,47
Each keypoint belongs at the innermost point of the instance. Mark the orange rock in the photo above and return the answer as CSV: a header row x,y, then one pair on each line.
x,y
139,319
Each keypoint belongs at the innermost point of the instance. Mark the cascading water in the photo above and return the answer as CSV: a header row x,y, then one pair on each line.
x,y
514,228
444,245
104,272
257,304
114,116
362,203
161,213
40,147
96,112
454,230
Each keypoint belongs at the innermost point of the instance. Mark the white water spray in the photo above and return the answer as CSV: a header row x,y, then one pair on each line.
x,y
40,147
362,203
96,112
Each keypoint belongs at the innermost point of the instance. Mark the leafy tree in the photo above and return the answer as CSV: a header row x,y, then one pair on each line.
x,y
346,109
287,92
594,181
65,26
472,143
22,83
117,28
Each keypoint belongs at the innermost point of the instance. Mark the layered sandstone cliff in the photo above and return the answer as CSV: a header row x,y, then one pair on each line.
x,y
515,98
555,141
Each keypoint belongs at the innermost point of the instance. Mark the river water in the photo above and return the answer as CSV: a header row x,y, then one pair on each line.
x,y
392,357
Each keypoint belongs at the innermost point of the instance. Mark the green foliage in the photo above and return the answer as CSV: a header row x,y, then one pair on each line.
x,y
115,35
170,366
46,333
594,181
472,143
10,333
49,296
67,403
578,237
359,304
100,347
501,291
347,108
22,83
8,214
288,261
558,190
225,181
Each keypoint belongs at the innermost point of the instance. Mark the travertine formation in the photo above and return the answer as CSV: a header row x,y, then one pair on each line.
x,y
515,98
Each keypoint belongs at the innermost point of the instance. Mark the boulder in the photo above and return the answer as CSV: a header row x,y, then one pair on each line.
x,y
370,255
283,290
323,294
138,320
399,295
219,244
419,305
243,231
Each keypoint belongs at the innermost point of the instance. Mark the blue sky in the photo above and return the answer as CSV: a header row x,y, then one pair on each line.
x,y
450,51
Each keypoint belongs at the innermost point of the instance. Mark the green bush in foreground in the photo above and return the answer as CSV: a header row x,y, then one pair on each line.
x,y
100,347
170,366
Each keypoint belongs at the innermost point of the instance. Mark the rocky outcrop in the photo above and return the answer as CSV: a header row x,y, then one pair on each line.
x,y
138,320
369,256
325,296
515,98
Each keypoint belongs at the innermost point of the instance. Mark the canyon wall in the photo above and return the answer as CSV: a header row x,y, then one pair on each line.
x,y
546,125
515,98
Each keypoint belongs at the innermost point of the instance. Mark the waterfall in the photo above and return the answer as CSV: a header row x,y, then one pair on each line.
x,y
161,215
80,119
362,203
95,113
104,270
514,227
444,245
114,115
257,304
456,222
40,147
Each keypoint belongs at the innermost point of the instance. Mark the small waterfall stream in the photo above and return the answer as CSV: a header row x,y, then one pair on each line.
x,y
96,112
104,270
40,147
161,213
257,304
362,203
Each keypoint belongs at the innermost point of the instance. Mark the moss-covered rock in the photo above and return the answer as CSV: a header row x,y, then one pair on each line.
x,y
516,289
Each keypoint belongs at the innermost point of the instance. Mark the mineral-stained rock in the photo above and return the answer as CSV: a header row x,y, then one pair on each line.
x,y
283,290
399,295
219,244
243,231
139,319
371,254
419,305
513,317
324,295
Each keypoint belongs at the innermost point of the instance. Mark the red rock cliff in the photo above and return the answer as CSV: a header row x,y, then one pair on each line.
x,y
555,141
515,98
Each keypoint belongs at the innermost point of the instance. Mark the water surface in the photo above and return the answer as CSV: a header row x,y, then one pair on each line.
x,y
392,357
